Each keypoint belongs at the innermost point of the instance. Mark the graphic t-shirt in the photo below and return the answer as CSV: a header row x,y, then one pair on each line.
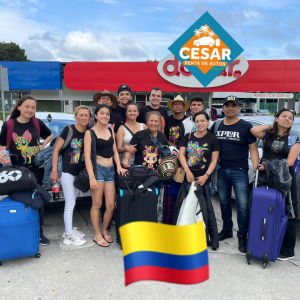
x,y
199,152
172,129
25,143
234,140
120,111
164,116
72,156
147,153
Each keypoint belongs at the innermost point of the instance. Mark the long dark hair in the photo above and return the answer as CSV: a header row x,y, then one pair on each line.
x,y
15,112
274,132
98,107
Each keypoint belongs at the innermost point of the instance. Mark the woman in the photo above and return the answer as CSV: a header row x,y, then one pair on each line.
x,y
276,146
104,179
71,158
25,140
126,131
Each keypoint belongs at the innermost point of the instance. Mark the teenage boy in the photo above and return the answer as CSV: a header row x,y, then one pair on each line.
x,y
124,96
236,141
188,126
109,99
155,99
179,107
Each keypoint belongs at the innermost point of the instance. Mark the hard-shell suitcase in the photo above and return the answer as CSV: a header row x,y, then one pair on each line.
x,y
267,224
169,204
143,208
19,230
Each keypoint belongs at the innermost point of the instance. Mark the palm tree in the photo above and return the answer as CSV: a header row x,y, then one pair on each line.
x,y
211,33
204,29
197,32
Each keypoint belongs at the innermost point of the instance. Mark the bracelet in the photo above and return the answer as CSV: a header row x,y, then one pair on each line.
x,y
207,175
91,177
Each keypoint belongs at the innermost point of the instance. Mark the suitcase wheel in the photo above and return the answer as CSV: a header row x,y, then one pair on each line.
x,y
38,255
249,257
264,265
265,260
121,193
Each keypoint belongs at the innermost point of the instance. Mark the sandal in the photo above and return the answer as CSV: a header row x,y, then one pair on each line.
x,y
107,237
101,242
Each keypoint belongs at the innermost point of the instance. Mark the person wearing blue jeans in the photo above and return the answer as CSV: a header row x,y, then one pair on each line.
x,y
235,141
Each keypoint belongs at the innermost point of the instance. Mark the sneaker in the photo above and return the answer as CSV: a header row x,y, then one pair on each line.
x,y
283,258
242,244
44,241
74,240
225,234
76,232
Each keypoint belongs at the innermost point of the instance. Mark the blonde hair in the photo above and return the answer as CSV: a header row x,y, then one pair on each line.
x,y
154,112
82,107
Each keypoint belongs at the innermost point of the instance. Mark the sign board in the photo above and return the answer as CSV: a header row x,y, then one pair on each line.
x,y
4,79
273,95
175,72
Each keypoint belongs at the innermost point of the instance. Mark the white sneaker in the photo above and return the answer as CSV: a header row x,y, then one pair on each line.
x,y
74,240
76,232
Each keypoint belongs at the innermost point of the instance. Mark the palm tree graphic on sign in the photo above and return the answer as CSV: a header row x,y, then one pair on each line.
x,y
205,40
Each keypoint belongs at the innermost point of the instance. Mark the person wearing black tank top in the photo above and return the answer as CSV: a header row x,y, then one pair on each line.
x,y
102,181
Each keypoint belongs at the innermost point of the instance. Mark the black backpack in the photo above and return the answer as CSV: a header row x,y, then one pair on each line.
x,y
15,179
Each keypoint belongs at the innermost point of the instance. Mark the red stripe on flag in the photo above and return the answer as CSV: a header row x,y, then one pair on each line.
x,y
167,275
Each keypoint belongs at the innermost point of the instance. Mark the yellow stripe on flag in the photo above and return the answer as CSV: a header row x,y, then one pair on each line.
x,y
170,239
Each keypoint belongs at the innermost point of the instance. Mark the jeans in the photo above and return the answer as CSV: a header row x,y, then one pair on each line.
x,y
106,174
238,179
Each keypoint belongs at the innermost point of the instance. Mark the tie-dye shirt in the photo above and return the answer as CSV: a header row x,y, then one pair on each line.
x,y
172,129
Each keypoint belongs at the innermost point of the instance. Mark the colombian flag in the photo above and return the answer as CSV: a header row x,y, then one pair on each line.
x,y
176,254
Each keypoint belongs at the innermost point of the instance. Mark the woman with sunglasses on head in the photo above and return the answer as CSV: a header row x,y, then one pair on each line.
x,y
277,146
103,181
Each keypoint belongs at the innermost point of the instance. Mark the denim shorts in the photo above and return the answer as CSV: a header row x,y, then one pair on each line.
x,y
106,174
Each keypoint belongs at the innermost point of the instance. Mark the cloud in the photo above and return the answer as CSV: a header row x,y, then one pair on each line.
x,y
35,51
128,13
154,9
133,50
292,51
33,10
36,3
108,1
46,36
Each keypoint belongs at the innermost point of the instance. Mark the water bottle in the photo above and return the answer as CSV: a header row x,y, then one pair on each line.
x,y
55,191
4,154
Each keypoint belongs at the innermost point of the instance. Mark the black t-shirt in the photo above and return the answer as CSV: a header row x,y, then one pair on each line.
x,y
120,111
143,111
25,141
172,129
199,152
72,156
234,140
114,122
147,153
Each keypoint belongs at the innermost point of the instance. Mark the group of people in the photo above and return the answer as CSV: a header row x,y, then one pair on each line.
x,y
123,134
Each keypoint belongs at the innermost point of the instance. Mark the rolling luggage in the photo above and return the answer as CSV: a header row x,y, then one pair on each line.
x,y
267,224
143,208
19,230
169,204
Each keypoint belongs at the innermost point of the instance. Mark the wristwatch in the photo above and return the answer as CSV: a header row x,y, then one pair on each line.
x,y
207,175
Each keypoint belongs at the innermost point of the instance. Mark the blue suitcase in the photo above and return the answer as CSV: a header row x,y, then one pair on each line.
x,y
267,224
19,230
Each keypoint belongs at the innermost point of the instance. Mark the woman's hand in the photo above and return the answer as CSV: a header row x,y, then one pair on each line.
x,y
189,176
202,179
54,177
126,163
122,171
93,184
131,149
174,153
41,146
261,167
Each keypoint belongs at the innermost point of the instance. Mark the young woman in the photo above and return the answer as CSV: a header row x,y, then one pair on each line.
x,y
25,140
104,179
199,152
72,164
124,136
276,146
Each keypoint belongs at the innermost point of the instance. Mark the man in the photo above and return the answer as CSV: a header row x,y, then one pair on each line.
x,y
155,100
235,142
188,126
124,96
109,99
178,106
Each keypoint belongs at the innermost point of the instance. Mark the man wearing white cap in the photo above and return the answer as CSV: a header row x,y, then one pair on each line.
x,y
178,106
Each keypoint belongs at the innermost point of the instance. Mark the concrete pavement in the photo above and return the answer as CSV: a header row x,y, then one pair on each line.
x,y
92,272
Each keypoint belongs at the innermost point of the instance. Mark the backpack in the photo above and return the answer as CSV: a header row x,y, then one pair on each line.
x,y
10,129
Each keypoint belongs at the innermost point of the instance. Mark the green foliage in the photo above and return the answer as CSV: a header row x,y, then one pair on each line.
x,y
12,52
6,114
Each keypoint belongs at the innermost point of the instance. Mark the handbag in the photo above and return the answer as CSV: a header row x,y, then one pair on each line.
x,y
163,150
179,175
82,180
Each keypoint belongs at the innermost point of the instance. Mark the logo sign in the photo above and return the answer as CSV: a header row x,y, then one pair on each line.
x,y
273,95
173,71
12,176
206,49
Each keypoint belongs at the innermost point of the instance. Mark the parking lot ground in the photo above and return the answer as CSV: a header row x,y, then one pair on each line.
x,y
92,272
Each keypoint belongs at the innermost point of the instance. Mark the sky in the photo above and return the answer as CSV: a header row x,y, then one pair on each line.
x,y
133,30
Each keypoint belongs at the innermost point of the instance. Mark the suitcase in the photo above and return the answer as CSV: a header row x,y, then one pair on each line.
x,y
267,224
143,208
169,204
19,230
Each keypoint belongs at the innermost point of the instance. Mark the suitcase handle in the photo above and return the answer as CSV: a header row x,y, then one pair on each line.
x,y
256,177
264,229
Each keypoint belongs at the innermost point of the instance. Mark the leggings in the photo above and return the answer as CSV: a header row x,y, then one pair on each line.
x,y
70,193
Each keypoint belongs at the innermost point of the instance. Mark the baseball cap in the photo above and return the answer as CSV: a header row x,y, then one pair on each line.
x,y
124,87
232,99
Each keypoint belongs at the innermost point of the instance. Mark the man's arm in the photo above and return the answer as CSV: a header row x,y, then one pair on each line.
x,y
181,134
254,155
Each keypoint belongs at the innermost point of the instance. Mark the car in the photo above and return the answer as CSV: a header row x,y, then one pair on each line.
x,y
206,41
264,120
247,112
262,112
219,113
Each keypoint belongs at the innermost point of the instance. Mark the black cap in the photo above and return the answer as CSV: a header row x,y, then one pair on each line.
x,y
232,99
124,87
